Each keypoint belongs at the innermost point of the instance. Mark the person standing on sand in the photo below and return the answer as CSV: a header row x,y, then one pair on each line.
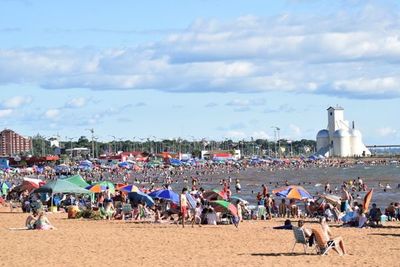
x,y
345,199
183,205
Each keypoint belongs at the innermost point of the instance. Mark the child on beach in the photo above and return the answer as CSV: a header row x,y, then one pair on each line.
x,y
43,223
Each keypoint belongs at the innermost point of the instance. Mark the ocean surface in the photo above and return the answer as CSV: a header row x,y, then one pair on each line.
x,y
314,179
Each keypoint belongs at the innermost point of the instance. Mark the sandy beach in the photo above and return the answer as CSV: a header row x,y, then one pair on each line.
x,y
103,243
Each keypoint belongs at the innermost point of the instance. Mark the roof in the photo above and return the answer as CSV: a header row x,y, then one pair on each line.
x,y
335,108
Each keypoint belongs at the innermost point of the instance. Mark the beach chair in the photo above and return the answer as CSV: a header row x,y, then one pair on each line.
x,y
299,238
127,210
323,245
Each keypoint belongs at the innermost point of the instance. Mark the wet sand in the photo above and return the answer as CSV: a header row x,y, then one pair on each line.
x,y
103,243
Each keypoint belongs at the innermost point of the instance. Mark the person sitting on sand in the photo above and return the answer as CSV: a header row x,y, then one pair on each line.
x,y
374,215
286,226
43,223
31,220
328,236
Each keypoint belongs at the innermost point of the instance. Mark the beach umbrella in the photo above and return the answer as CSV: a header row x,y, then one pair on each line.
x,y
128,188
292,192
139,196
165,194
214,194
191,201
224,206
335,200
96,188
367,200
101,187
237,198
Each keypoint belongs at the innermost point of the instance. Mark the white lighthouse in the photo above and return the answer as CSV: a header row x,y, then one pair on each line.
x,y
340,140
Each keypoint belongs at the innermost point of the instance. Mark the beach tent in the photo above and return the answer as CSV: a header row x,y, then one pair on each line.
x,y
61,186
77,180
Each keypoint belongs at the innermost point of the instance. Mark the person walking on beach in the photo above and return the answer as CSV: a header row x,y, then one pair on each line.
x,y
183,204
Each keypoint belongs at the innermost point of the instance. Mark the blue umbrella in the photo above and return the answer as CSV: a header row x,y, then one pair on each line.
x,y
165,194
139,197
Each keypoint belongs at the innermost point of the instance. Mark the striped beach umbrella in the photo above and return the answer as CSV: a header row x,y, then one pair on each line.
x,y
292,192
128,188
224,206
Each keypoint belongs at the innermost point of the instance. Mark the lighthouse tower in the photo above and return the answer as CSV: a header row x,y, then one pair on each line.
x,y
339,139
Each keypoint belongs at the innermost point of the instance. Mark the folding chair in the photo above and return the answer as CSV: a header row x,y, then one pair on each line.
x,y
323,245
299,238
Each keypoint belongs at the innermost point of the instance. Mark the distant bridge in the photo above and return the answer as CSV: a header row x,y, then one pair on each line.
x,y
383,146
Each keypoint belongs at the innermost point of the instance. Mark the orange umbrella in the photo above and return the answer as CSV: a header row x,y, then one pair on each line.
x,y
367,200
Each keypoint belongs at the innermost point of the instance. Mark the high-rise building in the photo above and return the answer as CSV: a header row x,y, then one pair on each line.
x,y
12,143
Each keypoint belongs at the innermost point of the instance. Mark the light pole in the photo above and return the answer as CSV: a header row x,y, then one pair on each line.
x,y
92,132
276,134
113,144
70,141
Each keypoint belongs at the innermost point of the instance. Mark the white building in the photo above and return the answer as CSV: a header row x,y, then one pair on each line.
x,y
340,140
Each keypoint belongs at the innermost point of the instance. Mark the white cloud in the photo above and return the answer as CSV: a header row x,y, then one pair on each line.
x,y
16,101
77,102
353,53
5,113
52,114
387,131
295,131
235,134
260,135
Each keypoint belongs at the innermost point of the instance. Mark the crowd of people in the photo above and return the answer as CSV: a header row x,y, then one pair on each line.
x,y
117,205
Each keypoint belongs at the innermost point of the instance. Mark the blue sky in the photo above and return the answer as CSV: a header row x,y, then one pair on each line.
x,y
199,69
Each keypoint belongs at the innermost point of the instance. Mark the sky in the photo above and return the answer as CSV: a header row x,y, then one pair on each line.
x,y
212,69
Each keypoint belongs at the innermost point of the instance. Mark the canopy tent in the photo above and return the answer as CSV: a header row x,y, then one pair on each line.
x,y
61,186
77,180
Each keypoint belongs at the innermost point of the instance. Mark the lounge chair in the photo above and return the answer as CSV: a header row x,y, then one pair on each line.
x,y
323,245
299,238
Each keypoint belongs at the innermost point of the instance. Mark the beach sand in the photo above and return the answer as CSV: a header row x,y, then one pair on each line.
x,y
102,243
